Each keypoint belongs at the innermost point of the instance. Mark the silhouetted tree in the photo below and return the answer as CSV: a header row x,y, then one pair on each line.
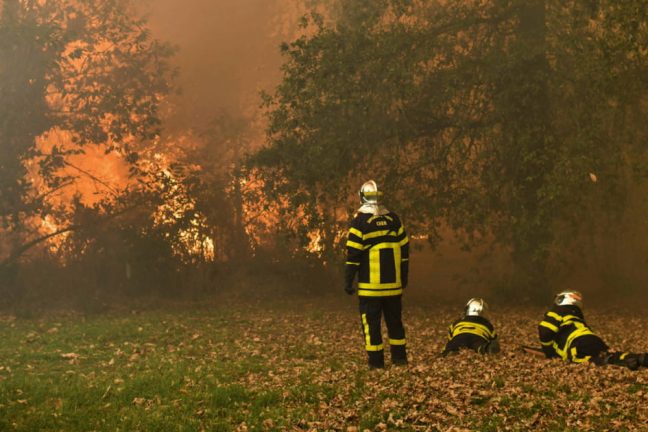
x,y
88,67
486,116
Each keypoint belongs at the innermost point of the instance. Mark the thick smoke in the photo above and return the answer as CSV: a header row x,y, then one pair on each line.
x,y
228,51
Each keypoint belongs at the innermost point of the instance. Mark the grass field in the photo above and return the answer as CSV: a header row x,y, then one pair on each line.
x,y
301,367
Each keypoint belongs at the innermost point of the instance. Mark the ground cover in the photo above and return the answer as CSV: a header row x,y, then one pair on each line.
x,y
237,366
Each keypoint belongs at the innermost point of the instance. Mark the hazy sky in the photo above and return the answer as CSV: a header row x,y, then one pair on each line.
x,y
228,50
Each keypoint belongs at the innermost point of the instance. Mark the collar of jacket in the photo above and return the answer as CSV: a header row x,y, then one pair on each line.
x,y
374,209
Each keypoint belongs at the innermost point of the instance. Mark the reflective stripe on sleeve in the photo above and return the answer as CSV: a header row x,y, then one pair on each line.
x,y
354,245
355,232
550,326
567,318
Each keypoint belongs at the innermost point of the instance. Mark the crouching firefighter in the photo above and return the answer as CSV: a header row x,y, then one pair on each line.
x,y
378,253
565,334
472,331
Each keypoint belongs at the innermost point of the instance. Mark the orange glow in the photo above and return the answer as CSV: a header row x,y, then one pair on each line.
x,y
96,175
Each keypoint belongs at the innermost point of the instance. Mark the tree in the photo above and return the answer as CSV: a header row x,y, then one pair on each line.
x,y
487,117
88,67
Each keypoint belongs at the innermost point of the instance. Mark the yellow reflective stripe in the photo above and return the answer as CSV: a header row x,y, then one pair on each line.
x,y
581,330
561,353
352,263
550,326
354,245
475,332
401,230
385,245
404,241
380,293
567,318
397,267
368,345
356,232
404,259
374,266
365,327
624,355
396,341
474,328
547,343
555,316
576,359
379,286
377,234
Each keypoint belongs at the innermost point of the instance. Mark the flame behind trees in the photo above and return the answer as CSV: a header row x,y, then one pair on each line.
x,y
74,75
90,179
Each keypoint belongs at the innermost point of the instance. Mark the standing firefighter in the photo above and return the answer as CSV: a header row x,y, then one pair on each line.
x,y
564,334
378,252
472,331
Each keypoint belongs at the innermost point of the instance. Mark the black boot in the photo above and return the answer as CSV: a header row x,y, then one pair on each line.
x,y
631,361
493,347
376,359
643,359
398,355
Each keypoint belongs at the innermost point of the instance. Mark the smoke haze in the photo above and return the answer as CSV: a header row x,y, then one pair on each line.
x,y
228,52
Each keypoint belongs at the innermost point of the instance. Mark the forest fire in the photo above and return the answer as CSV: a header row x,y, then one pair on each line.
x,y
201,200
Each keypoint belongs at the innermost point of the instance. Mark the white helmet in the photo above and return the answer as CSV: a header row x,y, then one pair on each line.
x,y
565,298
369,193
476,307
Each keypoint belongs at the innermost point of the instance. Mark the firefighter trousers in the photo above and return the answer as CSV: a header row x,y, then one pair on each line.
x,y
371,311
592,347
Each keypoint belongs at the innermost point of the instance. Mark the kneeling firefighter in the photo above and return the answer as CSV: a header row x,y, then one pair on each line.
x,y
473,330
378,253
564,334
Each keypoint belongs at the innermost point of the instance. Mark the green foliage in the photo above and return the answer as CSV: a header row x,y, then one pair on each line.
x,y
485,117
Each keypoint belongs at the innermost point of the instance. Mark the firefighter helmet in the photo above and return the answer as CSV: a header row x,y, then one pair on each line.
x,y
476,307
569,298
369,193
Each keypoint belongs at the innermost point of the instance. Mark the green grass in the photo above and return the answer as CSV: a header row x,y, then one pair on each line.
x,y
250,368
